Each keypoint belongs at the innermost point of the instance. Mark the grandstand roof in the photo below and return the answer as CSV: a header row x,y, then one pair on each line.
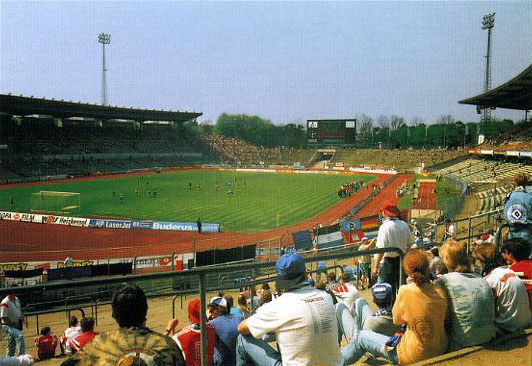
x,y
514,94
20,105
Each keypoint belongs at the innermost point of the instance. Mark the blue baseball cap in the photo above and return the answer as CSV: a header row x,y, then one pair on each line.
x,y
290,270
381,291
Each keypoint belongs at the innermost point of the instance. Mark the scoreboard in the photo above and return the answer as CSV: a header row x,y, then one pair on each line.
x,y
331,131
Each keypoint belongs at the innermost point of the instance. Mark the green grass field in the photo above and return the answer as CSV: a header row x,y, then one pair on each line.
x,y
266,201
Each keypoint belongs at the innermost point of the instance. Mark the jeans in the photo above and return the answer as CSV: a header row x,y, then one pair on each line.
x,y
361,312
252,351
389,273
361,341
15,340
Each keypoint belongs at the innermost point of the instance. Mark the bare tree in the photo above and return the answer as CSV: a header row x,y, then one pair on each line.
x,y
397,122
416,121
366,125
383,122
445,119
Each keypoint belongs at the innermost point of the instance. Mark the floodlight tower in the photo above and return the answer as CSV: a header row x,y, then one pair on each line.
x,y
104,38
488,22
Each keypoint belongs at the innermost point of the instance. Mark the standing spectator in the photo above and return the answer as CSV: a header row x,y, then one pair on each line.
x,y
199,225
189,338
512,310
517,210
225,326
69,333
11,318
393,233
87,334
472,306
450,231
46,344
421,305
303,337
132,343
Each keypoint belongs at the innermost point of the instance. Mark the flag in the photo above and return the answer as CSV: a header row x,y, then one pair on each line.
x,y
302,240
329,236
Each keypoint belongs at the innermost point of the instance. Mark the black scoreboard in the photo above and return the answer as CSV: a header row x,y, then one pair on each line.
x,y
331,131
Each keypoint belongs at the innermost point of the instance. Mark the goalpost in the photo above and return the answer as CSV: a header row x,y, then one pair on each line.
x,y
55,202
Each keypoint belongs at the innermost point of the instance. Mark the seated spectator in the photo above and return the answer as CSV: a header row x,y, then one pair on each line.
x,y
69,333
512,310
132,343
346,292
381,321
225,326
332,281
472,308
516,253
437,267
233,310
264,295
24,360
420,305
303,338
45,344
86,335
243,306
189,338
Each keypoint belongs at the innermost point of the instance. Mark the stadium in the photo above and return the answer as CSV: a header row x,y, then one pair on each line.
x,y
93,196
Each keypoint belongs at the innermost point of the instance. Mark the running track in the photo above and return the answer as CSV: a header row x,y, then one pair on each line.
x,y
27,242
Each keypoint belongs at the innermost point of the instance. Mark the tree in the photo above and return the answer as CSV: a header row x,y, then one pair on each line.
x,y
416,121
445,120
366,128
396,122
383,122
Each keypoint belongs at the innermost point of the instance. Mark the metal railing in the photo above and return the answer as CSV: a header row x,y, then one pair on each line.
x,y
201,275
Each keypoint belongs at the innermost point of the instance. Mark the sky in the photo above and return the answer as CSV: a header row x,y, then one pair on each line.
x,y
283,61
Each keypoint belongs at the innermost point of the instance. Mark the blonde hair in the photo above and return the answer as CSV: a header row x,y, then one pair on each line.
x,y
454,256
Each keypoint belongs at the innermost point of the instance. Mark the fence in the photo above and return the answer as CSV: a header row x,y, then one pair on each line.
x,y
205,278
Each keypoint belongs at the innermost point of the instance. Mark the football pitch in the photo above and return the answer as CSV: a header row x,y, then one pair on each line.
x,y
259,201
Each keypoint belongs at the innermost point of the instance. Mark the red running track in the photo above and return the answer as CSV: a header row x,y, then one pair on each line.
x,y
25,242
426,198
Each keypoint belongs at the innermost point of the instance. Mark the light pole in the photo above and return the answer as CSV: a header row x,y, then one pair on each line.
x,y
104,38
488,22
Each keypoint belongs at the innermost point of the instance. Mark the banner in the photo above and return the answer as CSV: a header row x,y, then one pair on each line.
x,y
110,224
302,240
350,225
329,236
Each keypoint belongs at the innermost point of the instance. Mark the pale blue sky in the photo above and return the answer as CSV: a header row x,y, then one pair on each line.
x,y
287,62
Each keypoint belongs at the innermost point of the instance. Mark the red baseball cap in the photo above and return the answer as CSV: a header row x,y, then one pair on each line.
x,y
390,208
194,308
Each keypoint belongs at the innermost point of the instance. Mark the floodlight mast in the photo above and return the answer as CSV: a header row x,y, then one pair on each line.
x,y
488,22
104,38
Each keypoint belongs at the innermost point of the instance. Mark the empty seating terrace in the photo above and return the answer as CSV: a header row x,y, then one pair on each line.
x,y
476,171
400,159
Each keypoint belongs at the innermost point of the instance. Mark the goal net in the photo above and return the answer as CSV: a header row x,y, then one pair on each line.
x,y
55,202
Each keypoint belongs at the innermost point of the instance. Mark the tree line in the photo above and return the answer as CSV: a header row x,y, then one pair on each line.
x,y
385,131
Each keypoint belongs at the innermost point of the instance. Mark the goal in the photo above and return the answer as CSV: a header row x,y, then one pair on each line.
x,y
55,202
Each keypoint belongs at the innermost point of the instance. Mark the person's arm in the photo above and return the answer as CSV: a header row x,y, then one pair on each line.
x,y
243,327
170,326
375,266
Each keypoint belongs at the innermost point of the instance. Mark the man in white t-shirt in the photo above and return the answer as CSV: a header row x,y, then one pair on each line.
x,y
393,233
303,320
11,318
72,331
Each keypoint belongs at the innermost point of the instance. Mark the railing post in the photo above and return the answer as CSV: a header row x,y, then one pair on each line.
x,y
203,319
173,267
